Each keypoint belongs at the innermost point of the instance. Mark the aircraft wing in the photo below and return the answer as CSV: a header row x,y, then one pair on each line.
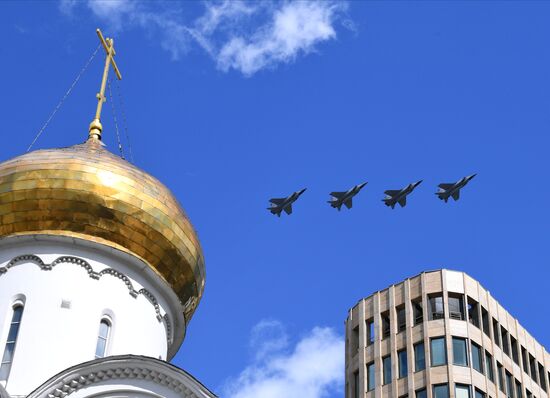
x,y
288,209
277,201
348,203
403,201
392,192
338,195
446,186
456,195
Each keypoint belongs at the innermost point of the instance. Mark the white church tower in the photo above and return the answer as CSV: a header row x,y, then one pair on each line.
x,y
100,273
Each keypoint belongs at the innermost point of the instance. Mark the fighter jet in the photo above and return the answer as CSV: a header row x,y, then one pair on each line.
x,y
280,204
345,198
399,196
452,189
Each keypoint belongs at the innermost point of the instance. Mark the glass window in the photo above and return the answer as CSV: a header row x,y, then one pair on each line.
x,y
370,331
9,351
496,334
460,356
515,353
370,377
525,360
419,357
402,362
102,338
438,351
477,360
485,321
479,394
441,391
500,372
533,368
489,366
505,342
418,314
436,307
462,391
528,394
519,390
542,377
421,393
509,385
385,325
473,312
456,306
401,318
386,364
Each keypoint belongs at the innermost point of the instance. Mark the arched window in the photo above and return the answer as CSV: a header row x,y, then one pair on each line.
x,y
102,338
7,358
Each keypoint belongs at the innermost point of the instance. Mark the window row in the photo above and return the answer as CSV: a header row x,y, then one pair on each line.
x,y
13,333
461,307
438,391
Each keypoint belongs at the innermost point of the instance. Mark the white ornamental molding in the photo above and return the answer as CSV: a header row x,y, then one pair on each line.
x,y
122,371
32,258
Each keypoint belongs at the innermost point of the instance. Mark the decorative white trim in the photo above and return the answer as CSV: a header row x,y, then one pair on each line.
x,y
121,369
32,258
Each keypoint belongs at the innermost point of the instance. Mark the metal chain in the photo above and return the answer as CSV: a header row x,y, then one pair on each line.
x,y
124,123
64,98
114,117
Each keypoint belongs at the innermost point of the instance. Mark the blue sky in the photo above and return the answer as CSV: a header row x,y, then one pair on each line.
x,y
230,106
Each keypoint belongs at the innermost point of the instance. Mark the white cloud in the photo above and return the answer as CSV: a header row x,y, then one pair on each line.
x,y
313,368
295,28
239,35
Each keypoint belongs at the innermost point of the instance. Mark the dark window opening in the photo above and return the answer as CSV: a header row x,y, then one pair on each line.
x,y
456,306
436,306
473,312
419,357
386,367
418,313
477,361
370,331
496,333
515,353
386,330
485,321
505,341
401,318
489,367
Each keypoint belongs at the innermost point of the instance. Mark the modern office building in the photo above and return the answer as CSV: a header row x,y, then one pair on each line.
x,y
441,334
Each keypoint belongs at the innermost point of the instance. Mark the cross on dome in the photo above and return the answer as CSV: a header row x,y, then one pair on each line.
x,y
109,46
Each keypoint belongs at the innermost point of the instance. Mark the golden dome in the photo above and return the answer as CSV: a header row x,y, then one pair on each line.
x,y
84,191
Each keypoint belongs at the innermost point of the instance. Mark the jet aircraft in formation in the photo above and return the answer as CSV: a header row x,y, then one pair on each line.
x,y
400,195
345,198
392,198
452,189
280,204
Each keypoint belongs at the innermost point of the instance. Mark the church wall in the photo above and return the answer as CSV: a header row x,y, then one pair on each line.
x,y
63,308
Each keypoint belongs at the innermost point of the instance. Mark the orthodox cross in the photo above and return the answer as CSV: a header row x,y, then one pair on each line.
x,y
109,46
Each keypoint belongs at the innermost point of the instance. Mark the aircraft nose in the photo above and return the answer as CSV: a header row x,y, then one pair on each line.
x,y
472,176
417,183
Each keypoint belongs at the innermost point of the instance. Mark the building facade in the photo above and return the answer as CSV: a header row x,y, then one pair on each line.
x,y
440,334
